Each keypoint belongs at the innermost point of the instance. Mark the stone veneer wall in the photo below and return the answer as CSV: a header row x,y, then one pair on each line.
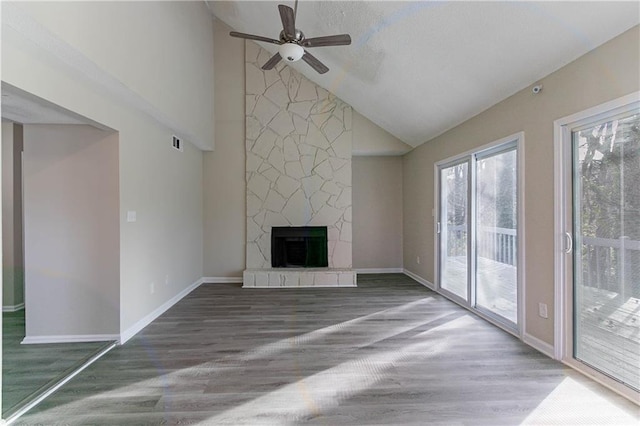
x,y
298,166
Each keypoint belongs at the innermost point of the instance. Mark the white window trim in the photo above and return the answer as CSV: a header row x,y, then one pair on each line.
x,y
519,141
563,307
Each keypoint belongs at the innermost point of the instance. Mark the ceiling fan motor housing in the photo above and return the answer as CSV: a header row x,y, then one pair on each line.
x,y
297,37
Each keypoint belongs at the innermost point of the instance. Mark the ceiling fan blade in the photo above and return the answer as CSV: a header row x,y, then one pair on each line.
x,y
288,20
314,62
334,40
253,37
272,62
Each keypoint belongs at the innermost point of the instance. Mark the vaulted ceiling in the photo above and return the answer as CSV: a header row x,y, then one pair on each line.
x,y
419,68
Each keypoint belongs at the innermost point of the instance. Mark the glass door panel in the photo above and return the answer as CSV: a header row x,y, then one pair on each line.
x,y
606,216
454,235
496,234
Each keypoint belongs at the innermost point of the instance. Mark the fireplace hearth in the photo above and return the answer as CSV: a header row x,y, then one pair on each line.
x,y
299,247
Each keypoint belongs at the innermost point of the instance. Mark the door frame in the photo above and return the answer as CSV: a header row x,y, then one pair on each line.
x,y
519,138
563,279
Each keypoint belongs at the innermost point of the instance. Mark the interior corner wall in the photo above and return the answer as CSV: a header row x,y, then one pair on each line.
x,y
374,141
607,72
12,250
71,231
377,212
160,253
224,183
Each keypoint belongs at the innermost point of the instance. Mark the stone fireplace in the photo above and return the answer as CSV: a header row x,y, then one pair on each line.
x,y
298,172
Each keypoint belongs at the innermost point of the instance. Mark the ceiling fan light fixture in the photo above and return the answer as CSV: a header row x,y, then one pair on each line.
x,y
291,52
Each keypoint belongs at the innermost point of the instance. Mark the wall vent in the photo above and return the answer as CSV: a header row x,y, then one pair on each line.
x,y
176,142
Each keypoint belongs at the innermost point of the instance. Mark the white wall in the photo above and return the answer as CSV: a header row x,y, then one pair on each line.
x,y
375,141
162,185
377,212
71,225
224,181
606,73
12,252
160,50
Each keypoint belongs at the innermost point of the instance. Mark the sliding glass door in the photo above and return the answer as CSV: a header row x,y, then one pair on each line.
x,y
478,231
606,258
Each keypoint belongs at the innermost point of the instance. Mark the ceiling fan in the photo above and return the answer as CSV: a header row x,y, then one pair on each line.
x,y
292,42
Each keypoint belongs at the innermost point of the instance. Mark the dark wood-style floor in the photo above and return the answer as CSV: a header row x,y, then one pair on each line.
x,y
388,352
30,369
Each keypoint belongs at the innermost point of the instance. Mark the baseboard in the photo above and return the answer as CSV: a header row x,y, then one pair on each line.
x,y
138,326
538,344
379,271
221,280
79,338
13,308
421,280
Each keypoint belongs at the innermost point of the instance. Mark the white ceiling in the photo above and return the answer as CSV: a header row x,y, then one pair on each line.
x,y
417,69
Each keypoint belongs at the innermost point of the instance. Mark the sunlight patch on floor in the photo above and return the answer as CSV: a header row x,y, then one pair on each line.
x,y
306,338
314,395
574,403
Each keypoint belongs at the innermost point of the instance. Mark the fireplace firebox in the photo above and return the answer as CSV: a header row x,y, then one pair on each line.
x,y
299,247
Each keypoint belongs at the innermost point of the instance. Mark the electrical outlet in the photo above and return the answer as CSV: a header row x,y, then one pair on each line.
x,y
542,310
152,287
166,280
418,260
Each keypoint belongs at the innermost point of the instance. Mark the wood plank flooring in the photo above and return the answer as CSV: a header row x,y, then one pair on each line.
x,y
387,352
29,369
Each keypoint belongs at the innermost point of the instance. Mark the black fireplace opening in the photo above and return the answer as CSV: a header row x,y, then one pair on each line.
x,y
299,247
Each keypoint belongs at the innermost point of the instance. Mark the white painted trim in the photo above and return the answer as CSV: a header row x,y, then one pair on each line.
x,y
379,271
559,225
34,340
75,61
419,279
148,319
57,386
538,344
13,308
522,252
435,214
480,149
221,280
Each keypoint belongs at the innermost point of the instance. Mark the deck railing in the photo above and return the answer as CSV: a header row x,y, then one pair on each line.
x,y
611,264
497,244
